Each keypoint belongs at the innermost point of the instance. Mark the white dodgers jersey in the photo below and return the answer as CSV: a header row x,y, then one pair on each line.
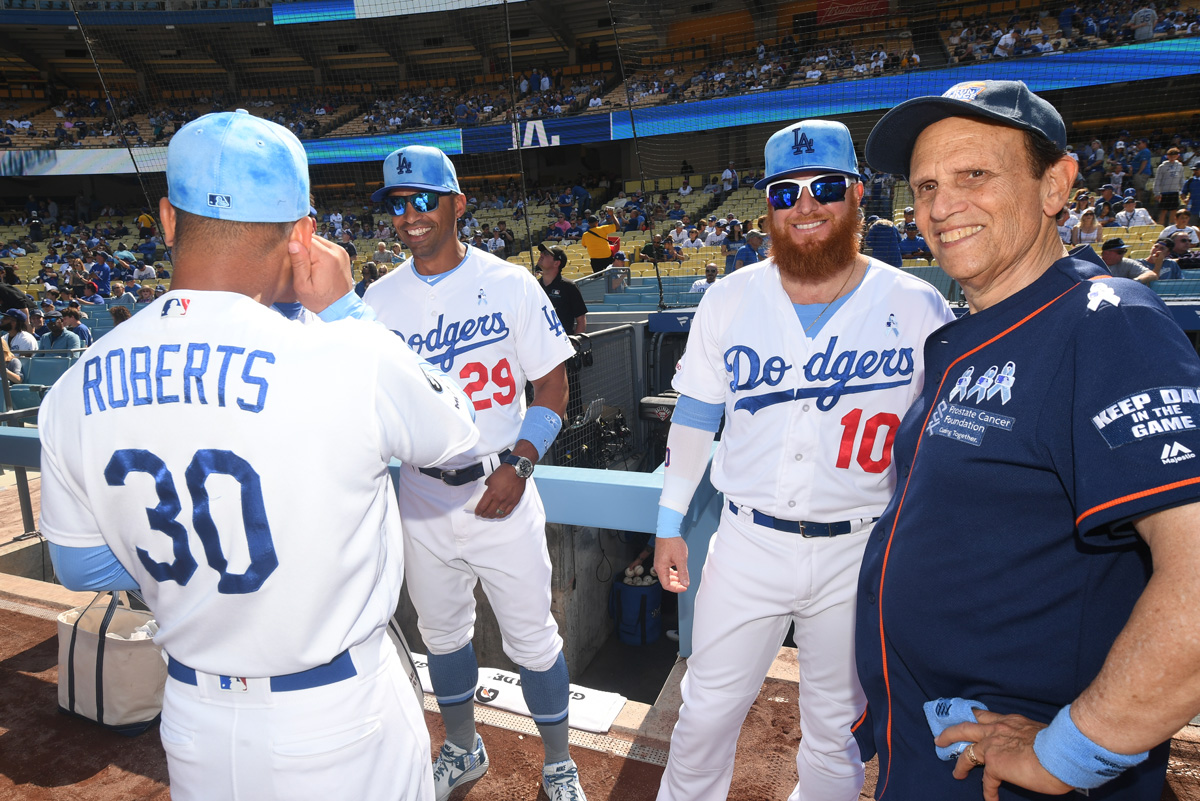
x,y
489,325
809,423
242,486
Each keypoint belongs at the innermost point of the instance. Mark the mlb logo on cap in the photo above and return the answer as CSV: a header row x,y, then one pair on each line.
x,y
235,166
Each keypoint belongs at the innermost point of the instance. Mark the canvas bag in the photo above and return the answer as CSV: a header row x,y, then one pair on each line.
x,y
105,676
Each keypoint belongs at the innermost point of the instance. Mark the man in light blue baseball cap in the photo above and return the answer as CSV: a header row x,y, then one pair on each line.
x,y
227,377
815,293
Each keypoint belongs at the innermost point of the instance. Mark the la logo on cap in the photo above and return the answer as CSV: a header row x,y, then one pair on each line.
x,y
801,143
967,91
404,167
220,201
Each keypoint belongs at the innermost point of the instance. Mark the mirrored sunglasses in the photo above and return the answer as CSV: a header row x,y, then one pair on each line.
x,y
421,201
824,189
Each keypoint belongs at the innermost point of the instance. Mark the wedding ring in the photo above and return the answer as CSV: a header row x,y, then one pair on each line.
x,y
971,755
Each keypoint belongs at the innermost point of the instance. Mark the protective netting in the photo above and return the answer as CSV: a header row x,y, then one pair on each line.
x,y
558,107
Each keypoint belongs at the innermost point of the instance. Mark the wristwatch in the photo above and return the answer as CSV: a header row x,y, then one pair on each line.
x,y
523,465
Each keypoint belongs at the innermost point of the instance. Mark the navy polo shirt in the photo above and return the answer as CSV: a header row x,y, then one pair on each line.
x,y
1006,563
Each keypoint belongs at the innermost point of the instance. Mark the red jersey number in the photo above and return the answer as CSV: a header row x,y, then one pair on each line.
x,y
477,375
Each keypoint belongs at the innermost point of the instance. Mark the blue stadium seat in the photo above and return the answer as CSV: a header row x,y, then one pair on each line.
x,y
45,370
26,396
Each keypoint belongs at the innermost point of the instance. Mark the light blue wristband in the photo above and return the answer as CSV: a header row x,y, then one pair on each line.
x,y
539,428
1073,759
348,305
669,523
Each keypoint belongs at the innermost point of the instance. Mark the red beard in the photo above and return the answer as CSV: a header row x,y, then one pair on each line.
x,y
819,260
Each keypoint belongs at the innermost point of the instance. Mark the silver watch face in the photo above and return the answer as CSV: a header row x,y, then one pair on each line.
x,y
524,467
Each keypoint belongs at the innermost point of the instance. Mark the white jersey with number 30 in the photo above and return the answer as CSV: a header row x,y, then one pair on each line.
x,y
243,487
809,423
489,325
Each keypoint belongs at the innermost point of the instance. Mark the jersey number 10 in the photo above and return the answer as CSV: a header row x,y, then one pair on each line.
x,y
869,437
263,560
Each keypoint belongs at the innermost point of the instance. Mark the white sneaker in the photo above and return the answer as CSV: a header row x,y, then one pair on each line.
x,y
456,766
560,780
673,635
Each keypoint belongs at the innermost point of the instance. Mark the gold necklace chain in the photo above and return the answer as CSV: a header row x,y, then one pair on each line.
x,y
830,303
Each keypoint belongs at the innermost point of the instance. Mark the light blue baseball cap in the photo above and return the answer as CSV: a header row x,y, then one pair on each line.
x,y
417,167
235,166
810,145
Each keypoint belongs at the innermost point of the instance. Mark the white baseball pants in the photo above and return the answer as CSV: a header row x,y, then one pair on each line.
x,y
756,582
448,550
363,737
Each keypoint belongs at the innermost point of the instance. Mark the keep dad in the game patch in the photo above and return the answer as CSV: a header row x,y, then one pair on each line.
x,y
1164,410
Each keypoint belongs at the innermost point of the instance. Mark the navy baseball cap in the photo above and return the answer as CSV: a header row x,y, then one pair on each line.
x,y
912,226
234,166
1116,243
890,145
1130,193
809,145
417,167
53,314
620,254
17,314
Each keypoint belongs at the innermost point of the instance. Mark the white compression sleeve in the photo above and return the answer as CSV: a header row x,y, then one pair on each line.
x,y
687,457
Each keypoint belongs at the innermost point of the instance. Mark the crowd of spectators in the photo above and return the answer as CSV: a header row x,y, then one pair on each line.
x,y
1077,25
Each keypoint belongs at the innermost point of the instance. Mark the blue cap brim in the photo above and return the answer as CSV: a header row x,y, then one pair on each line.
x,y
380,194
770,179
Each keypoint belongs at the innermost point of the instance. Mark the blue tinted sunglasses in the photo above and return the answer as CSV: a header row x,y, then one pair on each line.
x,y
421,201
824,189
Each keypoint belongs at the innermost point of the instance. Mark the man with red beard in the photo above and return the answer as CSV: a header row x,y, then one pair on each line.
x,y
812,355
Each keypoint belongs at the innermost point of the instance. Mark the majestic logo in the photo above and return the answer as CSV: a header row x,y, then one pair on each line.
x,y
801,143
748,371
175,307
457,337
404,166
1174,453
220,201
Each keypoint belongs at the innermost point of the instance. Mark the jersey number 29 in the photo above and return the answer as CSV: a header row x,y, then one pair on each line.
x,y
162,517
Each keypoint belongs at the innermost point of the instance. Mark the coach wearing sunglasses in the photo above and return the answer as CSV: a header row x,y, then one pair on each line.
x,y
812,355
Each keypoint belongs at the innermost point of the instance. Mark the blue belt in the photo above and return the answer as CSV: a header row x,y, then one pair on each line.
x,y
802,527
337,669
